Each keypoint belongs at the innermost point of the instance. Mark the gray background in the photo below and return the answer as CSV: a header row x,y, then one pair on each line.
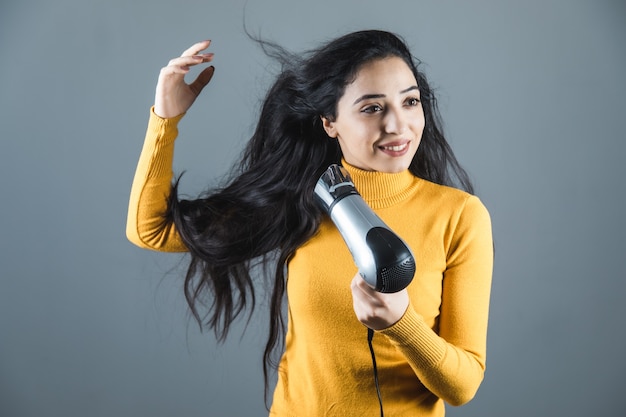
x,y
532,94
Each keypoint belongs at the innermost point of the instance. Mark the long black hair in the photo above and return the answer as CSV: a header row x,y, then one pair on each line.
x,y
267,210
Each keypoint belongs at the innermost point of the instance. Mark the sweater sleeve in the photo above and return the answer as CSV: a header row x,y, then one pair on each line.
x,y
451,362
146,225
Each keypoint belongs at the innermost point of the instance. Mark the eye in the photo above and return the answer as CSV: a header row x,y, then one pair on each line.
x,y
374,108
412,101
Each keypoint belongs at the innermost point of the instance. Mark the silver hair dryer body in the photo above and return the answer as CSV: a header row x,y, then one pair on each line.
x,y
384,261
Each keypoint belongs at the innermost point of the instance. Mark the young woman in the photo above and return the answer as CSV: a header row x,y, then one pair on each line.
x,y
359,101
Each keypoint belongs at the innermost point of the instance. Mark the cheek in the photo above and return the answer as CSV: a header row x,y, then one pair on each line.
x,y
354,146
421,120
358,135
418,128
419,124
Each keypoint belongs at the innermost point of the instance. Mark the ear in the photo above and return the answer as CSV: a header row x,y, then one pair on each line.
x,y
329,127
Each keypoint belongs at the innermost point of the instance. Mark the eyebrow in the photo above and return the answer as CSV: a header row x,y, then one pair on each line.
x,y
371,96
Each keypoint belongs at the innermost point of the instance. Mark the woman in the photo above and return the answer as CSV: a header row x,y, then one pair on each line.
x,y
360,101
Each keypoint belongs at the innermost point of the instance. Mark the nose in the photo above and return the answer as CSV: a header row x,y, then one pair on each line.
x,y
395,122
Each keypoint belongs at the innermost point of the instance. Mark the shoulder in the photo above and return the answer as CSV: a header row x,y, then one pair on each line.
x,y
454,202
430,189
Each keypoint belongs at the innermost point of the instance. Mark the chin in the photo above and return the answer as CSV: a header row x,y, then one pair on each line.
x,y
395,171
392,168
393,165
386,165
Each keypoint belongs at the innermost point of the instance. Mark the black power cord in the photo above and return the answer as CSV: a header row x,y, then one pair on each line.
x,y
370,336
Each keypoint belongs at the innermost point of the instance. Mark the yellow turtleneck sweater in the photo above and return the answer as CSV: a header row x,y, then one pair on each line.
x,y
434,353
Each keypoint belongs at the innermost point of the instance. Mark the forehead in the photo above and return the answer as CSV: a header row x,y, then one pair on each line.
x,y
390,73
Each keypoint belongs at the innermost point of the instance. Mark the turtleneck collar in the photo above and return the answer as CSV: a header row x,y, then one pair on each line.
x,y
381,189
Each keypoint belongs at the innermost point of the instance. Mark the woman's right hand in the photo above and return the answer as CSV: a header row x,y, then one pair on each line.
x,y
174,96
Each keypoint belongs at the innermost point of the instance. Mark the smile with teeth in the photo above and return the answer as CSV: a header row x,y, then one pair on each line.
x,y
395,148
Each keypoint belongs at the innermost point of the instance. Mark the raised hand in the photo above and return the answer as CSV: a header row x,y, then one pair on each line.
x,y
174,96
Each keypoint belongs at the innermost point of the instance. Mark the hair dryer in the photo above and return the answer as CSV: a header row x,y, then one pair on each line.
x,y
384,261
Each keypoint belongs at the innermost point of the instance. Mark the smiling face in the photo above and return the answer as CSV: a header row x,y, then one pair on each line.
x,y
380,118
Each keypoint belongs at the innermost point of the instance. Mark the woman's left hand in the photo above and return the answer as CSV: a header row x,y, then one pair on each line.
x,y
374,309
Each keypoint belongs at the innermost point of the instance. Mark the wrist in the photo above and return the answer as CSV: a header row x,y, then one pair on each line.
x,y
164,115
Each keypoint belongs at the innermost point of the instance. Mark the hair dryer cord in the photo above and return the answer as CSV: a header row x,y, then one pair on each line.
x,y
370,336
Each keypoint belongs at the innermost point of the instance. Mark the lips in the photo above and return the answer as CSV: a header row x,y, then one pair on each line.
x,y
395,148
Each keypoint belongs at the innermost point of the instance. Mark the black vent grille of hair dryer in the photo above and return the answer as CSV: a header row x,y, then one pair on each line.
x,y
395,278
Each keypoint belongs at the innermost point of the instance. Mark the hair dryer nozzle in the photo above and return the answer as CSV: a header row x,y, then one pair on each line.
x,y
334,184
383,259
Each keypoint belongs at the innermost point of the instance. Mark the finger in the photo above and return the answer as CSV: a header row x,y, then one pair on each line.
x,y
364,286
354,284
187,61
197,47
363,292
174,69
202,80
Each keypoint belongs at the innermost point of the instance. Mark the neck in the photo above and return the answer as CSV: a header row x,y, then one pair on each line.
x,y
381,189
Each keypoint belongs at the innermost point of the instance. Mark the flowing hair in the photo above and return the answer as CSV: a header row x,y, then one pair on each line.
x,y
268,210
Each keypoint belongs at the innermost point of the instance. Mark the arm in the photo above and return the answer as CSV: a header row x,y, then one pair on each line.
x,y
146,224
449,363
